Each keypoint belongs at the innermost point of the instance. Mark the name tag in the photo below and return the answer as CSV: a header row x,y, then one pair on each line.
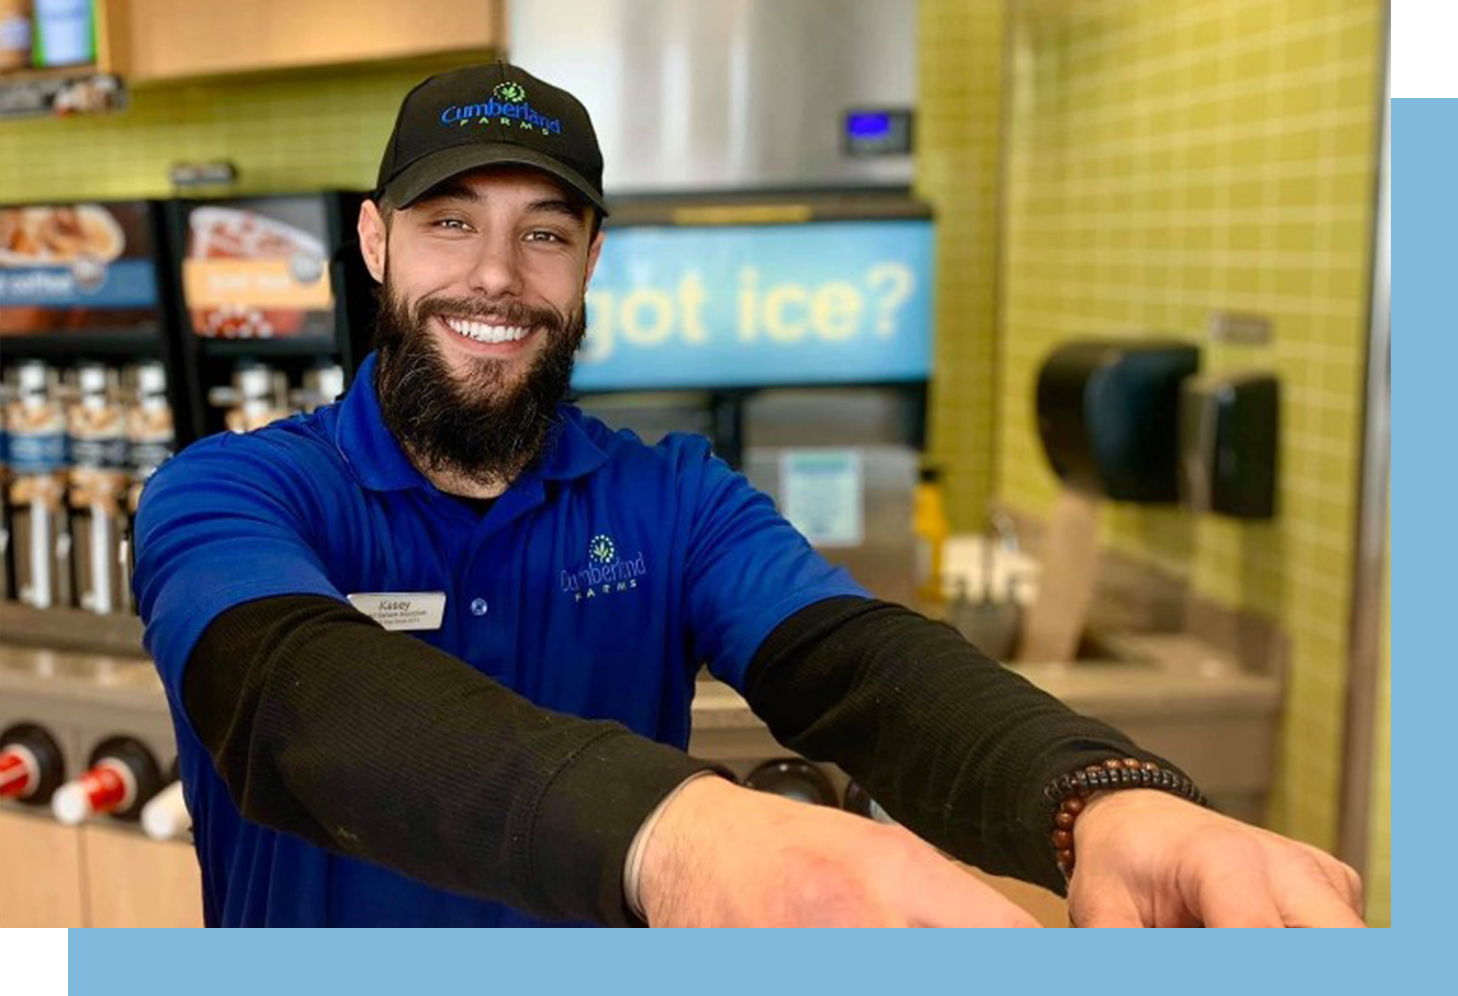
x,y
401,609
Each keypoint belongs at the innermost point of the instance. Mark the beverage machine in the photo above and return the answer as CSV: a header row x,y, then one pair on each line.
x,y
129,329
275,307
91,387
795,332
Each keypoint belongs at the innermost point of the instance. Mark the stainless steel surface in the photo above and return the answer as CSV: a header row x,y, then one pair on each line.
x,y
91,669
42,539
885,560
830,417
5,588
1370,573
97,560
653,415
71,630
732,94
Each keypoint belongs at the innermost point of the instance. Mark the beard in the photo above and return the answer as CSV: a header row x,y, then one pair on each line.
x,y
472,423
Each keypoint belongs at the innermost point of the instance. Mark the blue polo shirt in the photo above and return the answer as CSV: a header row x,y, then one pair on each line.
x,y
595,585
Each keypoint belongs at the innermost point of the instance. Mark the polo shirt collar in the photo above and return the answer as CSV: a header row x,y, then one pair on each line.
x,y
380,463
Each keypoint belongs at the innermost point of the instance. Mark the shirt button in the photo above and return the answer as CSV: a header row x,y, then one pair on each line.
x,y
478,606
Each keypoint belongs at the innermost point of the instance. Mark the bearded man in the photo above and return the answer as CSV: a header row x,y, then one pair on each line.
x,y
430,651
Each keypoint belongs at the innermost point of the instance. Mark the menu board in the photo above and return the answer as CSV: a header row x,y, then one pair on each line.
x,y
77,268
258,269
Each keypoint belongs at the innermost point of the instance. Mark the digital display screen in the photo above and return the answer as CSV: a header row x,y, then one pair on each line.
x,y
877,132
869,125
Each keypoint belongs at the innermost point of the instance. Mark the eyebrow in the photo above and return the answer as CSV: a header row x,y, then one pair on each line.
x,y
451,190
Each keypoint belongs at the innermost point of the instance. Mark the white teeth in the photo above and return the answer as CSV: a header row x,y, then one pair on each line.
x,y
482,332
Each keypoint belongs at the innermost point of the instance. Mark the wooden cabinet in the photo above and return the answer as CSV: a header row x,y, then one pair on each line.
x,y
93,876
132,881
40,871
158,40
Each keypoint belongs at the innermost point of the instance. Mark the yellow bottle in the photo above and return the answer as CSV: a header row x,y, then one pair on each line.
x,y
929,523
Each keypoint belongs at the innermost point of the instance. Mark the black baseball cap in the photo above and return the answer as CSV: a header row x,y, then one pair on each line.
x,y
489,115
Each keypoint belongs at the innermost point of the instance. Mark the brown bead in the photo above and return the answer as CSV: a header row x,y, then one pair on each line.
x,y
1062,839
1132,763
1063,820
1094,769
1150,766
1114,764
1073,804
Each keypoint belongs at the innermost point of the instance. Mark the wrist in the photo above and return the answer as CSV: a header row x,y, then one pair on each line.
x,y
633,864
675,841
1102,809
1095,786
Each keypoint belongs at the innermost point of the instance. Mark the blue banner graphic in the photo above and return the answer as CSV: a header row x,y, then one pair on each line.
x,y
824,303
126,283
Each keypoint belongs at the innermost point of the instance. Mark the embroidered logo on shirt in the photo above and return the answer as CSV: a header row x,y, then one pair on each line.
x,y
601,550
605,573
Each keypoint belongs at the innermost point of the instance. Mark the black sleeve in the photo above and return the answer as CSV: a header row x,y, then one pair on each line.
x,y
376,745
952,744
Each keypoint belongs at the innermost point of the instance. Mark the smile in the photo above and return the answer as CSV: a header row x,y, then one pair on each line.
x,y
482,332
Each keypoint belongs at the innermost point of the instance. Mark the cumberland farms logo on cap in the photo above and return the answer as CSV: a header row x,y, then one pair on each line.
x,y
506,106
488,115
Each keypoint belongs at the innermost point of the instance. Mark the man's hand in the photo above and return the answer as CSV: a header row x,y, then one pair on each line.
x,y
726,856
1148,859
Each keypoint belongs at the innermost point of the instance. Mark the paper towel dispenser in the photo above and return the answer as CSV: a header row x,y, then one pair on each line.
x,y
1108,413
1228,444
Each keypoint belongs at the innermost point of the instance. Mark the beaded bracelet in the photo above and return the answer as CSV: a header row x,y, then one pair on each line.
x,y
1069,792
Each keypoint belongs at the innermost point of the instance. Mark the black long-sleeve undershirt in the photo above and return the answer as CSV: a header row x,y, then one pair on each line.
x,y
379,746
952,744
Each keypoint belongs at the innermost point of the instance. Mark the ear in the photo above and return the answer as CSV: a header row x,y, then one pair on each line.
x,y
593,252
372,239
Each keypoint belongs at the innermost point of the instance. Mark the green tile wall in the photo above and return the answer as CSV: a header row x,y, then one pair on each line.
x,y
1167,160
959,120
323,128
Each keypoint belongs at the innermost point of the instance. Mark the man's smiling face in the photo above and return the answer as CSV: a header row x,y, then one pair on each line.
x,y
493,261
484,281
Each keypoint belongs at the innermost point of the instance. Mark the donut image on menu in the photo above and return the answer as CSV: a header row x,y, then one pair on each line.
x,y
55,258
218,234
39,236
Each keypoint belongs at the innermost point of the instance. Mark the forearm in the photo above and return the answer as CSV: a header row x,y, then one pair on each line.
x,y
376,745
949,742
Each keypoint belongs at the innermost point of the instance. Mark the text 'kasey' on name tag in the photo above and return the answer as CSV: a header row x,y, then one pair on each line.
x,y
402,609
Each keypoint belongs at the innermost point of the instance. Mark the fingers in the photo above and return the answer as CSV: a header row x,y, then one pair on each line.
x,y
1321,906
1239,896
1287,889
1108,904
1343,878
1321,892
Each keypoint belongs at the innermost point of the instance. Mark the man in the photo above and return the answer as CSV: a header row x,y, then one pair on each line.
x,y
394,703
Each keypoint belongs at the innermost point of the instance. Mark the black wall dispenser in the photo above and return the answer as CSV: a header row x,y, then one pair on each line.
x,y
1229,435
1108,415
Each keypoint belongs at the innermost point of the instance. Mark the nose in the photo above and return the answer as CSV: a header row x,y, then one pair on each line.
x,y
496,271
